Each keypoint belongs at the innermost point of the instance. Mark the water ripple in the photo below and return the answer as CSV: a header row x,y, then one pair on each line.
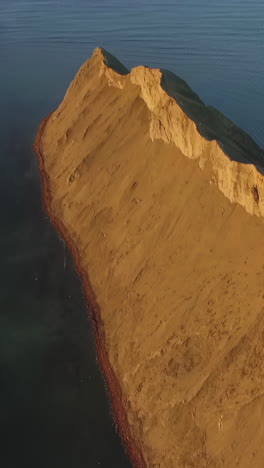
x,y
216,46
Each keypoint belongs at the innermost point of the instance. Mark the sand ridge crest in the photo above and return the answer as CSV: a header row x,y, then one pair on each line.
x,y
240,182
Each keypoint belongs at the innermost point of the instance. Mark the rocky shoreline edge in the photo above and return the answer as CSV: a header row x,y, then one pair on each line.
x,y
112,385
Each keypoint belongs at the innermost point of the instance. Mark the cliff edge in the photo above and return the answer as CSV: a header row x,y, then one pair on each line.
x,y
161,200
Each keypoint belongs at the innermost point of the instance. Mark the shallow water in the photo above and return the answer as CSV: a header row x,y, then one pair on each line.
x,y
54,410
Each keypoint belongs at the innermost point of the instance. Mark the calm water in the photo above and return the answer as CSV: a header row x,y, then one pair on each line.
x,y
54,411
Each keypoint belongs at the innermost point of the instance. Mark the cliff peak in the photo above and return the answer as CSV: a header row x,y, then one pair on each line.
x,y
178,116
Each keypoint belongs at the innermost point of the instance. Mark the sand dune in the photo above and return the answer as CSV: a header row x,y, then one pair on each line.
x,y
161,200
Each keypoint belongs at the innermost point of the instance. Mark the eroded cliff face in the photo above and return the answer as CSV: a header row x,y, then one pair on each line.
x,y
169,229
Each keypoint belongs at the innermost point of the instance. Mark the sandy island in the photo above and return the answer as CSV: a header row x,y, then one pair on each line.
x,y
160,200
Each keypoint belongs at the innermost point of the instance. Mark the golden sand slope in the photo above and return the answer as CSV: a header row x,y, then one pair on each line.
x,y
170,231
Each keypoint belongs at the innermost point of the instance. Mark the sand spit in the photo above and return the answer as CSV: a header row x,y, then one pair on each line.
x,y
160,200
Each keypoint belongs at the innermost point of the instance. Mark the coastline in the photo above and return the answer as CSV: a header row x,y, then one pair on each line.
x,y
112,385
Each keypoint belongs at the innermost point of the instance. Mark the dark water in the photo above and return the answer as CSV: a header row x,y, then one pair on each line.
x,y
53,407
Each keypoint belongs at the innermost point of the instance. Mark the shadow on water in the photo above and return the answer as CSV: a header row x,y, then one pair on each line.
x,y
54,410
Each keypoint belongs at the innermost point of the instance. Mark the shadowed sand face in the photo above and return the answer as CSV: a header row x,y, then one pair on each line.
x,y
160,218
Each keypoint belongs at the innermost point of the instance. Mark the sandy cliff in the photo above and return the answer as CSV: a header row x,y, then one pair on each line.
x,y
162,202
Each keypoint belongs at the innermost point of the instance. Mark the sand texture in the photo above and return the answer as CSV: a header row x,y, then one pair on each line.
x,y
161,200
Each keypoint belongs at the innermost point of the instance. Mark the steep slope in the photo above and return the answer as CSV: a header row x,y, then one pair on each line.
x,y
157,196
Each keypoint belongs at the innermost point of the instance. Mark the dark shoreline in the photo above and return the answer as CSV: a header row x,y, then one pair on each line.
x,y
112,385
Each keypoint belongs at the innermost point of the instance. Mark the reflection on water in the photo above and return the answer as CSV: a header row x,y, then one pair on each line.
x,y
54,411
